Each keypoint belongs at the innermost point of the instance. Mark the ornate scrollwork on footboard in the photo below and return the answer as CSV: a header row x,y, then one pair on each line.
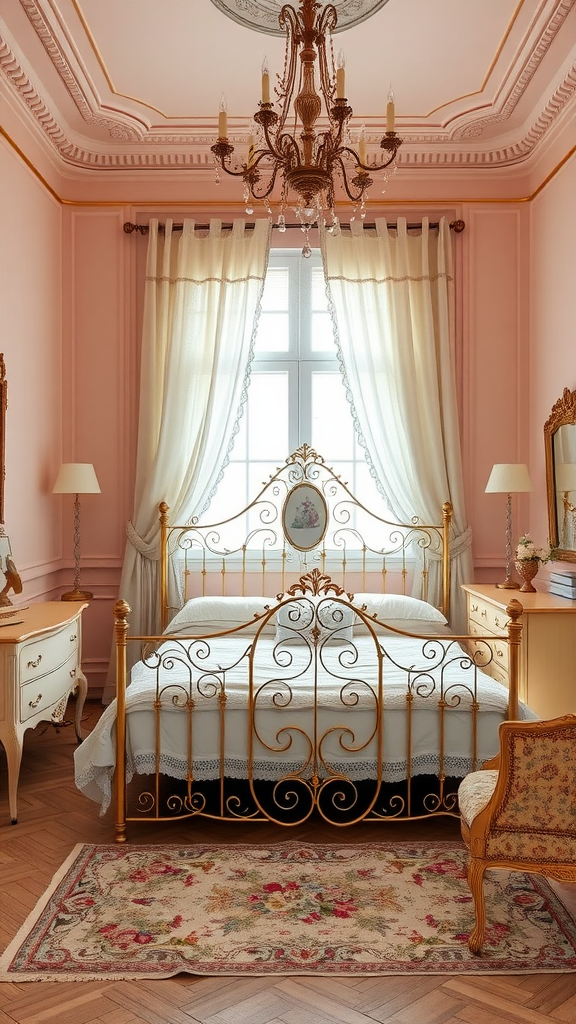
x,y
315,706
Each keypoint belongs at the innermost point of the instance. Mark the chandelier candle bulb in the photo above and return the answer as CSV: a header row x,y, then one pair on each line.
x,y
265,82
340,77
222,120
362,147
390,112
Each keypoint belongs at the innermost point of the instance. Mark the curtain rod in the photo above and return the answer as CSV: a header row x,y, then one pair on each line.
x,y
129,228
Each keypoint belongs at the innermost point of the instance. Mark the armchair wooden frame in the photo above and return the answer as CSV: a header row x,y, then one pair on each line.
x,y
529,821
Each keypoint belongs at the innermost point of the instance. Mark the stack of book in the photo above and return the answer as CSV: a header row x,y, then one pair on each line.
x,y
563,584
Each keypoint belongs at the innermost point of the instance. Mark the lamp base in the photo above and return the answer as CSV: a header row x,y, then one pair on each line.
x,y
76,595
508,585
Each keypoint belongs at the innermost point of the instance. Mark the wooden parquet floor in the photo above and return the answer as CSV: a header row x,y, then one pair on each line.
x,y
54,816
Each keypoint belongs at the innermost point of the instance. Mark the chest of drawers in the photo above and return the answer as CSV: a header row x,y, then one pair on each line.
x,y
547,678
40,666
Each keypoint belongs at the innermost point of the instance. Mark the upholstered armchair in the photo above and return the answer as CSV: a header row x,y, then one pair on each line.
x,y
519,811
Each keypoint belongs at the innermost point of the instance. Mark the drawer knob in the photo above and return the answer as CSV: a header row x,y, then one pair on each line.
x,y
474,607
73,637
72,673
497,621
35,703
34,664
483,613
499,652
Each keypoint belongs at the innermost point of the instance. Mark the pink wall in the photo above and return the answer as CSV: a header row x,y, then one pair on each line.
x,y
31,304
71,315
553,320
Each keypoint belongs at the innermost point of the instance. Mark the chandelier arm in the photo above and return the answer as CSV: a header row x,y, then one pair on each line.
x,y
288,20
262,191
326,23
224,159
285,142
366,181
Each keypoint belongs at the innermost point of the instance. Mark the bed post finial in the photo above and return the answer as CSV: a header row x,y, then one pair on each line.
x,y
164,510
514,609
121,613
447,512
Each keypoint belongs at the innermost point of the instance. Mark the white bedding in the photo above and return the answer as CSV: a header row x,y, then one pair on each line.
x,y
284,711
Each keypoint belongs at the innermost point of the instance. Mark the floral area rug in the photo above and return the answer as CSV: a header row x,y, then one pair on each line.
x,y
126,912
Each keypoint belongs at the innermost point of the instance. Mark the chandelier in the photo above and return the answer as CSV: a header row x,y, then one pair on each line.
x,y
307,157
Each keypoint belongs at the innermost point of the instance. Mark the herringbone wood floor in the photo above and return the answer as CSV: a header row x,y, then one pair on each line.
x,y
53,817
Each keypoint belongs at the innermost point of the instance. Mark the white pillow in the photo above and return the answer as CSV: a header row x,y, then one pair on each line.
x,y
202,615
297,620
399,610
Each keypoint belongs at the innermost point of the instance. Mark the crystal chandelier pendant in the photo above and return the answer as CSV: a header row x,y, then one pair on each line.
x,y
303,139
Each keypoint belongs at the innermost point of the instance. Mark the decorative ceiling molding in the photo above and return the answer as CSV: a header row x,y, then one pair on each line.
x,y
523,79
155,149
262,15
117,128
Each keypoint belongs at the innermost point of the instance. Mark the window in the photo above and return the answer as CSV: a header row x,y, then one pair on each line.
x,y
296,393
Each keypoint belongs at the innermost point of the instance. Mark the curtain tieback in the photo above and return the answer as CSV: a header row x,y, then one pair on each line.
x,y
458,545
149,551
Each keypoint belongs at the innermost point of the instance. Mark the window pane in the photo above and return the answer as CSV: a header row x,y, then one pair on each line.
x,y
268,415
319,300
322,336
273,333
275,295
332,424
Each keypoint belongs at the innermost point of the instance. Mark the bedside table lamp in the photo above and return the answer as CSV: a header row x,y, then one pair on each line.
x,y
76,478
508,478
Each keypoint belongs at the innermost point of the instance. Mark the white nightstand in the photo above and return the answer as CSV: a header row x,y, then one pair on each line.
x,y
547,681
40,666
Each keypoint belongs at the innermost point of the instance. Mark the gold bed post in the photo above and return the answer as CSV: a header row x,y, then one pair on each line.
x,y
514,610
121,612
446,568
163,509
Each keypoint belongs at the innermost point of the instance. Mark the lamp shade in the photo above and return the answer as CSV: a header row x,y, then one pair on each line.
x,y
76,478
509,478
566,476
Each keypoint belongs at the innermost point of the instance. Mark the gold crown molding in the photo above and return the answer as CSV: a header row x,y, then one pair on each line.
x,y
30,165
201,160
133,130
117,129
233,205
523,80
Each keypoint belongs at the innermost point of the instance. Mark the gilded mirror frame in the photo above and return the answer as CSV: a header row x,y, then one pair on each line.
x,y
563,414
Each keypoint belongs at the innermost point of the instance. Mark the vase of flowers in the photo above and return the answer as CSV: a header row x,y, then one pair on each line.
x,y
528,561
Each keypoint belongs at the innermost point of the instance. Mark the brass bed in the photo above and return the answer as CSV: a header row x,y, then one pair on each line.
x,y
342,696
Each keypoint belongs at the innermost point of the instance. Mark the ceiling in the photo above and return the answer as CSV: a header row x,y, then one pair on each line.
x,y
133,86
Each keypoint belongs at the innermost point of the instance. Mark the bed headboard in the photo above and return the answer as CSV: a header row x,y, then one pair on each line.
x,y
305,516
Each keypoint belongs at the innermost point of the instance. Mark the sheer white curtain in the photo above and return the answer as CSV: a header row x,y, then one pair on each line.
x,y
392,303
200,315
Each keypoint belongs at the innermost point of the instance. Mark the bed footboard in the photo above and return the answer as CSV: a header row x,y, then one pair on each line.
x,y
314,707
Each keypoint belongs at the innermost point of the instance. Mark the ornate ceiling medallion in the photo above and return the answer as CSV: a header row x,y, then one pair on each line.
x,y
262,15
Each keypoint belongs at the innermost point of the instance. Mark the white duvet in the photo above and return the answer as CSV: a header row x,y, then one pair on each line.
x,y
287,685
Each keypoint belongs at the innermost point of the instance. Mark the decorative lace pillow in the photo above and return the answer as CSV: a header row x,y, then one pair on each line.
x,y
400,610
314,617
201,615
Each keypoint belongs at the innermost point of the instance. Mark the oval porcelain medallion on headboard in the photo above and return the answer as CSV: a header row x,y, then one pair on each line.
x,y
262,15
304,517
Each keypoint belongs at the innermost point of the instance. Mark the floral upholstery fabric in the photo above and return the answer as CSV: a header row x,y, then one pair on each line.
x,y
474,793
536,819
